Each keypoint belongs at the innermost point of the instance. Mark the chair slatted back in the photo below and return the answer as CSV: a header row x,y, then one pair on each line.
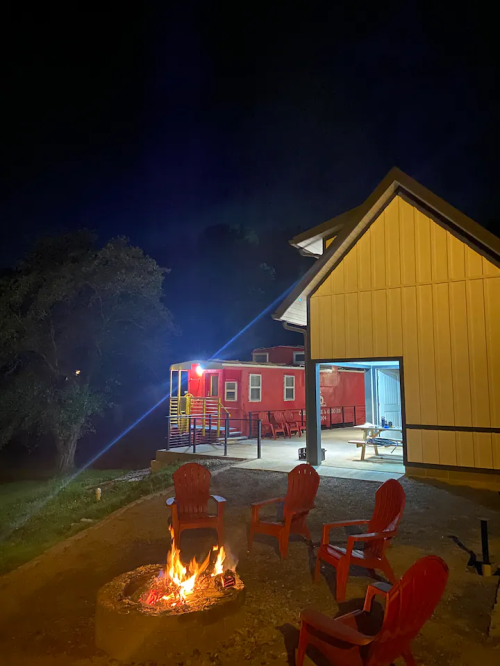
x,y
279,418
289,417
409,605
264,418
303,482
390,502
192,489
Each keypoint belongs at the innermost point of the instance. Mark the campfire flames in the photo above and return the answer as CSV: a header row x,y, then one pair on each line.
x,y
178,583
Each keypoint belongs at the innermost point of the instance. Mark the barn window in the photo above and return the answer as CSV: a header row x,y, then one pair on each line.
x,y
231,391
289,386
299,358
261,357
255,392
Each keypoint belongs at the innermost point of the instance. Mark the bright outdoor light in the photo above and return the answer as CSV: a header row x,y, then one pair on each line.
x,y
77,372
199,370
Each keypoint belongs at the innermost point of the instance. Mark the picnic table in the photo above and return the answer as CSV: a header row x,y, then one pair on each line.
x,y
371,437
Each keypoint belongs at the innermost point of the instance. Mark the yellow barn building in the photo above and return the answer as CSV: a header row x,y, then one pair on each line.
x,y
407,281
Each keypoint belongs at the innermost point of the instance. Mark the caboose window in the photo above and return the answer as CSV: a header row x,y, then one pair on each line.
x,y
255,388
289,387
231,391
261,357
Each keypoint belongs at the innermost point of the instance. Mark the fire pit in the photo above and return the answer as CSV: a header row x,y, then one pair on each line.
x,y
155,610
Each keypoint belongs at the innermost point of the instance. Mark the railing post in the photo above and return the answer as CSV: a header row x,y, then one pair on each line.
x,y
269,416
168,433
194,435
259,438
354,415
301,417
343,417
330,418
210,428
204,412
249,425
226,433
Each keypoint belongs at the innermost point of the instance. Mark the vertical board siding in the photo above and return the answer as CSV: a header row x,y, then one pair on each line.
x,y
439,253
492,314
423,248
351,270
456,258
427,365
442,337
460,354
410,355
410,288
378,253
380,323
477,354
414,446
393,258
352,325
407,245
394,323
365,324
465,449
325,327
338,326
365,262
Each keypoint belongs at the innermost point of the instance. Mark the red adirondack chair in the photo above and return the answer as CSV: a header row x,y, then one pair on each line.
x,y
189,507
355,640
303,482
389,506
281,424
293,424
269,426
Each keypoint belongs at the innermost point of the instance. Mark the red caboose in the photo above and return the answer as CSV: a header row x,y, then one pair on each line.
x,y
274,380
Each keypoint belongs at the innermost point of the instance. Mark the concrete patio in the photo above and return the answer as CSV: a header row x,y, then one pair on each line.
x,y
342,460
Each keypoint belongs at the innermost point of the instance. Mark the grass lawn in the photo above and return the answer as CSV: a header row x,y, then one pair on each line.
x,y
35,515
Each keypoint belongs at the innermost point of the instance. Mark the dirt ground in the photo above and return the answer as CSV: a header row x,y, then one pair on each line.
x,y
47,610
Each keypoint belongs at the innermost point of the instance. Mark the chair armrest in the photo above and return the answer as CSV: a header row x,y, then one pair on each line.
x,y
371,536
373,589
218,498
269,501
327,527
170,501
334,628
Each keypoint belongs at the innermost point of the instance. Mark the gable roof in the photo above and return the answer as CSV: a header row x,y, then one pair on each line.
x,y
352,223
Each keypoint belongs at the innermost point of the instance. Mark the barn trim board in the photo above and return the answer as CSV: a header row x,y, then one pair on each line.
x,y
407,276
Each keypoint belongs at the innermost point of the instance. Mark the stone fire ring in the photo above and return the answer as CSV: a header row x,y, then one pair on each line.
x,y
127,631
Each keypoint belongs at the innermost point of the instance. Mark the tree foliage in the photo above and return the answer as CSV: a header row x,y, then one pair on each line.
x,y
77,321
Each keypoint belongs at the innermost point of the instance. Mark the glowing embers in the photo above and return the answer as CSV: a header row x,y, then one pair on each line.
x,y
197,586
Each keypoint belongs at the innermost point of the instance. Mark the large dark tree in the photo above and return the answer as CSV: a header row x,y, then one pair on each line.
x,y
76,322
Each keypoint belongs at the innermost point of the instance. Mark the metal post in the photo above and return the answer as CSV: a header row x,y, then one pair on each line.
x,y
259,437
269,416
343,417
226,432
301,417
331,418
168,433
210,428
354,415
485,547
194,435
249,425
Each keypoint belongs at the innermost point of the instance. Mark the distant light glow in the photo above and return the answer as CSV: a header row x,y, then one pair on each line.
x,y
77,372
199,370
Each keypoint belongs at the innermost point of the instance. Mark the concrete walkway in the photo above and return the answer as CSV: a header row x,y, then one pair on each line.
x,y
342,460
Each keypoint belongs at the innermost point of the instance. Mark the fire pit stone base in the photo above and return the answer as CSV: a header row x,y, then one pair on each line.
x,y
127,631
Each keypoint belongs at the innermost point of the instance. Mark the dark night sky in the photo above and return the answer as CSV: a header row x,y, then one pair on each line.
x,y
149,120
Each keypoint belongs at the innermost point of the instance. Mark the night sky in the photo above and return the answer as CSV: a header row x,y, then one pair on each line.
x,y
149,121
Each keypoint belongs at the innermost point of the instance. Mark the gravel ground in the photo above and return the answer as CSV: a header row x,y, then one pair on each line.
x,y
47,610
